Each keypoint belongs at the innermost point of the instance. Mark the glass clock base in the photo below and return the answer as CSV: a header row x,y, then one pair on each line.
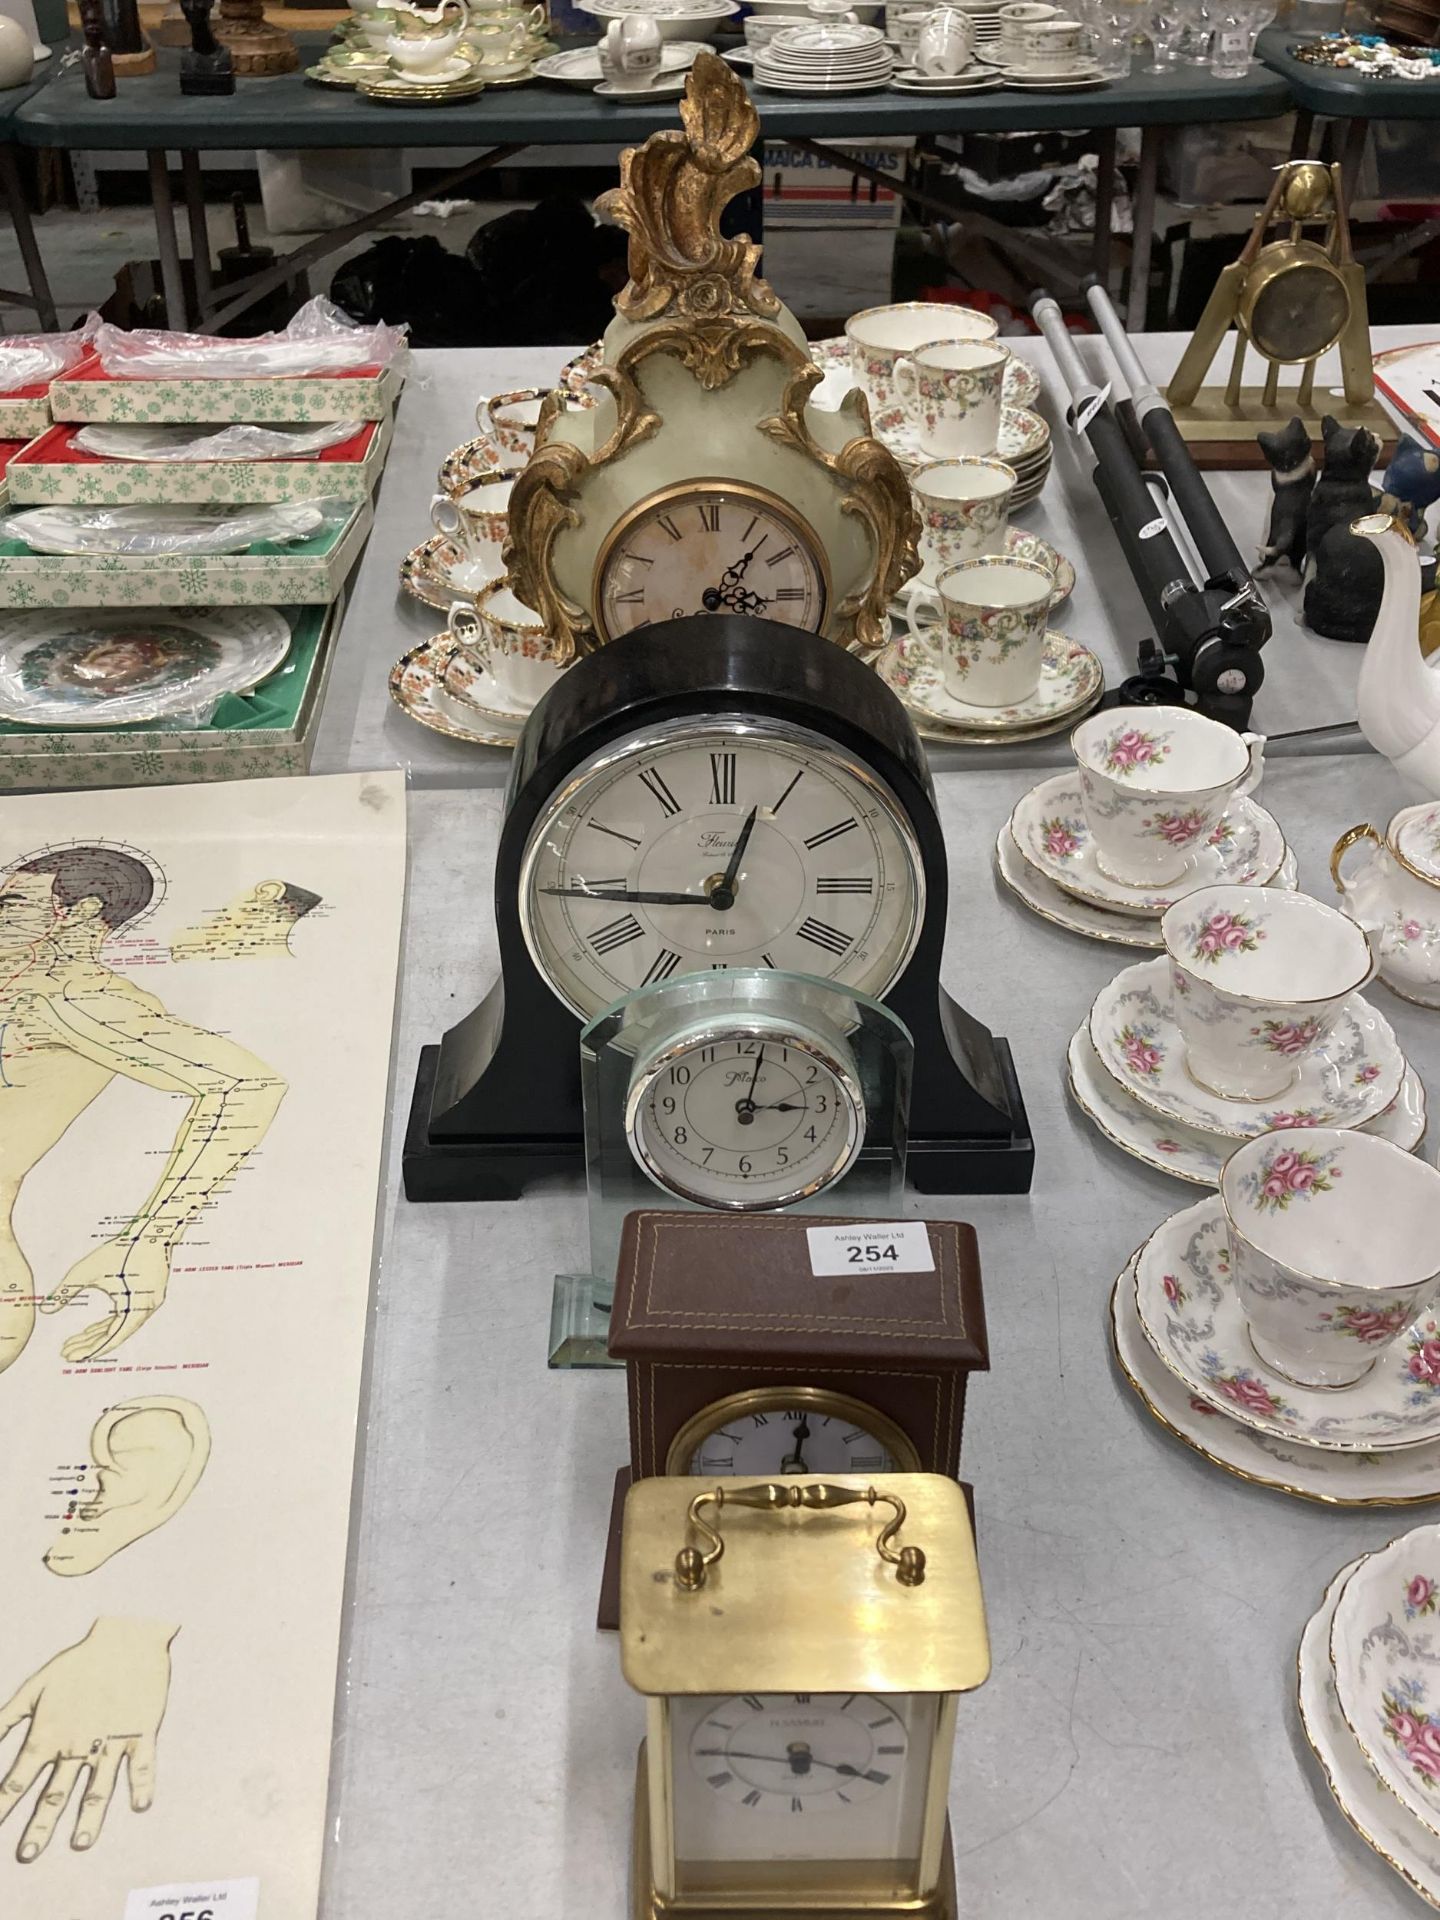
x,y
580,1321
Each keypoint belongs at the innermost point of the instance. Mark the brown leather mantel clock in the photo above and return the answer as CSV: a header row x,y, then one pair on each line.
x,y
740,1361
702,481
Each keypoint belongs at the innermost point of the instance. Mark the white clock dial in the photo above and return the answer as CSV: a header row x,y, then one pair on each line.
x,y
709,547
798,1776
768,1441
746,1119
627,877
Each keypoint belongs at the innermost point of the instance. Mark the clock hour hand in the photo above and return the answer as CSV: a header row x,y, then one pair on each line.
x,y
629,893
799,1760
722,894
795,1462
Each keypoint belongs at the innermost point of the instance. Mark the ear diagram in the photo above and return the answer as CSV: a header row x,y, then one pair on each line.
x,y
149,1455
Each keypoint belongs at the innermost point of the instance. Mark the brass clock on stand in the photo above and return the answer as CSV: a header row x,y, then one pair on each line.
x,y
1291,297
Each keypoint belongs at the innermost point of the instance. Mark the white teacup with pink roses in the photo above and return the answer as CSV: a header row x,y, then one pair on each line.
x,y
1258,978
1155,783
1333,1248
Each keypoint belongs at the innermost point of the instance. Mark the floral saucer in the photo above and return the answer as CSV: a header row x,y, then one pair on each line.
x,y
1063,909
1403,1477
416,689
1020,544
474,688
1022,382
1385,1659
1051,830
1023,444
1374,1813
1185,1152
1192,1317
435,573
1070,678
1351,1076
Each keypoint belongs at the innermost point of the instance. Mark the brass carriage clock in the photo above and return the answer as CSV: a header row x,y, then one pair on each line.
x,y
702,481
1292,298
802,1646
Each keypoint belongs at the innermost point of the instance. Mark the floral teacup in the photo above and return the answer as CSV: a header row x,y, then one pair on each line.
x,y
964,505
881,335
1395,895
953,391
519,652
510,419
987,627
1259,977
1155,782
1333,1247
483,509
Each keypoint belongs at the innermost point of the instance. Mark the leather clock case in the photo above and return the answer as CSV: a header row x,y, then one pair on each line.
x,y
707,1304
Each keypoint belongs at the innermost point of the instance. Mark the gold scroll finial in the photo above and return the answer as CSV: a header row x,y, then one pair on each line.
x,y
672,192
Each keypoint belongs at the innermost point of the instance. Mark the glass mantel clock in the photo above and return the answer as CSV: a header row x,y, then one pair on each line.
x,y
802,1646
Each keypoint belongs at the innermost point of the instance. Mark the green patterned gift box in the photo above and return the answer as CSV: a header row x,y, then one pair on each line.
x,y
23,415
302,572
87,393
43,476
270,730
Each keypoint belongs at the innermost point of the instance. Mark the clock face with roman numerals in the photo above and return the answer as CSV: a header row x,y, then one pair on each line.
x,y
713,843
709,547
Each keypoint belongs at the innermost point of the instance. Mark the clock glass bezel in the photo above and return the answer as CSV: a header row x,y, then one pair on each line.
x,y
824,1401
692,492
639,1115
692,731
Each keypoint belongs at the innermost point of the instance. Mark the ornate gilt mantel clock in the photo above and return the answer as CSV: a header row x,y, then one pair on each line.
x,y
702,481
802,1646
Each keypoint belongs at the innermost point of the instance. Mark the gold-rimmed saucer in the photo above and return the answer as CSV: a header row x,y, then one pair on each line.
x,y
418,93
415,687
1407,1478
1071,681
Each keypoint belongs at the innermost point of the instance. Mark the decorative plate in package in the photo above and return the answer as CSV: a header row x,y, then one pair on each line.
x,y
87,392
148,531
301,573
67,466
317,339
103,667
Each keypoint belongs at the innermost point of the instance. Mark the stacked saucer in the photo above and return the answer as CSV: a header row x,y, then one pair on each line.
x,y
1024,445
825,60
1071,682
1369,1706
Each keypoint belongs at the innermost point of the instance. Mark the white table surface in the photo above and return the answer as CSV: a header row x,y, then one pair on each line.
x,y
1310,682
1135,1753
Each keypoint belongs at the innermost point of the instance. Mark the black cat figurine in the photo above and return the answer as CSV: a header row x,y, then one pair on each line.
x,y
1292,479
1344,575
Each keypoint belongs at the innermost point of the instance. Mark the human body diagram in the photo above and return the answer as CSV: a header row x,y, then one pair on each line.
x,y
68,1026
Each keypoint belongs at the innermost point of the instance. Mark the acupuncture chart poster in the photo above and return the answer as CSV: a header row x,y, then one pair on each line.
x,y
197,988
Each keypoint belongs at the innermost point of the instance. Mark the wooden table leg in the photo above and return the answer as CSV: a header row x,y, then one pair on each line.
x,y
1300,138
1104,202
172,280
41,298
1354,134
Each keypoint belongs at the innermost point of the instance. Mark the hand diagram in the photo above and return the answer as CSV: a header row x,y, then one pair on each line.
x,y
88,1709
135,1273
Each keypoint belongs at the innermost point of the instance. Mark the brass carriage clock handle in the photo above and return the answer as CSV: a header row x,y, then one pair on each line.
x,y
693,1563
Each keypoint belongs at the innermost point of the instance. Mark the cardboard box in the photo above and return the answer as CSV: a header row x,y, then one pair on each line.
x,y
800,190
52,471
25,412
87,392
304,572
268,731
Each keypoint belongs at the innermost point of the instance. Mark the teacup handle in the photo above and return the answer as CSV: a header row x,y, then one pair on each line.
x,y
449,522
1254,744
483,418
907,380
464,622
1351,837
923,599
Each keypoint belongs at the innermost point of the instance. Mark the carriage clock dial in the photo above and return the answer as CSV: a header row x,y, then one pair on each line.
x,y
782,1754
710,547
746,1114
696,845
761,1433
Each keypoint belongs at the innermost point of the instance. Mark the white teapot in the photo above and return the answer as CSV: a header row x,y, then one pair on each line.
x,y
1393,891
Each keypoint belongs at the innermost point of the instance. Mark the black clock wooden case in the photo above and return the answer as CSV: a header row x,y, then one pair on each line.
x,y
497,1104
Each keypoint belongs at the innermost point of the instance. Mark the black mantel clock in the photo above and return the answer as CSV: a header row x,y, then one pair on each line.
x,y
713,791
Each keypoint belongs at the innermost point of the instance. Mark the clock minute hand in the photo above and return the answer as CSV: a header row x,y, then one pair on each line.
x,y
628,893
782,1760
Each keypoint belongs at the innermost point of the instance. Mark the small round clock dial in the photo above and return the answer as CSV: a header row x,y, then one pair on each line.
x,y
721,844
786,1753
746,1120
710,547
766,1432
